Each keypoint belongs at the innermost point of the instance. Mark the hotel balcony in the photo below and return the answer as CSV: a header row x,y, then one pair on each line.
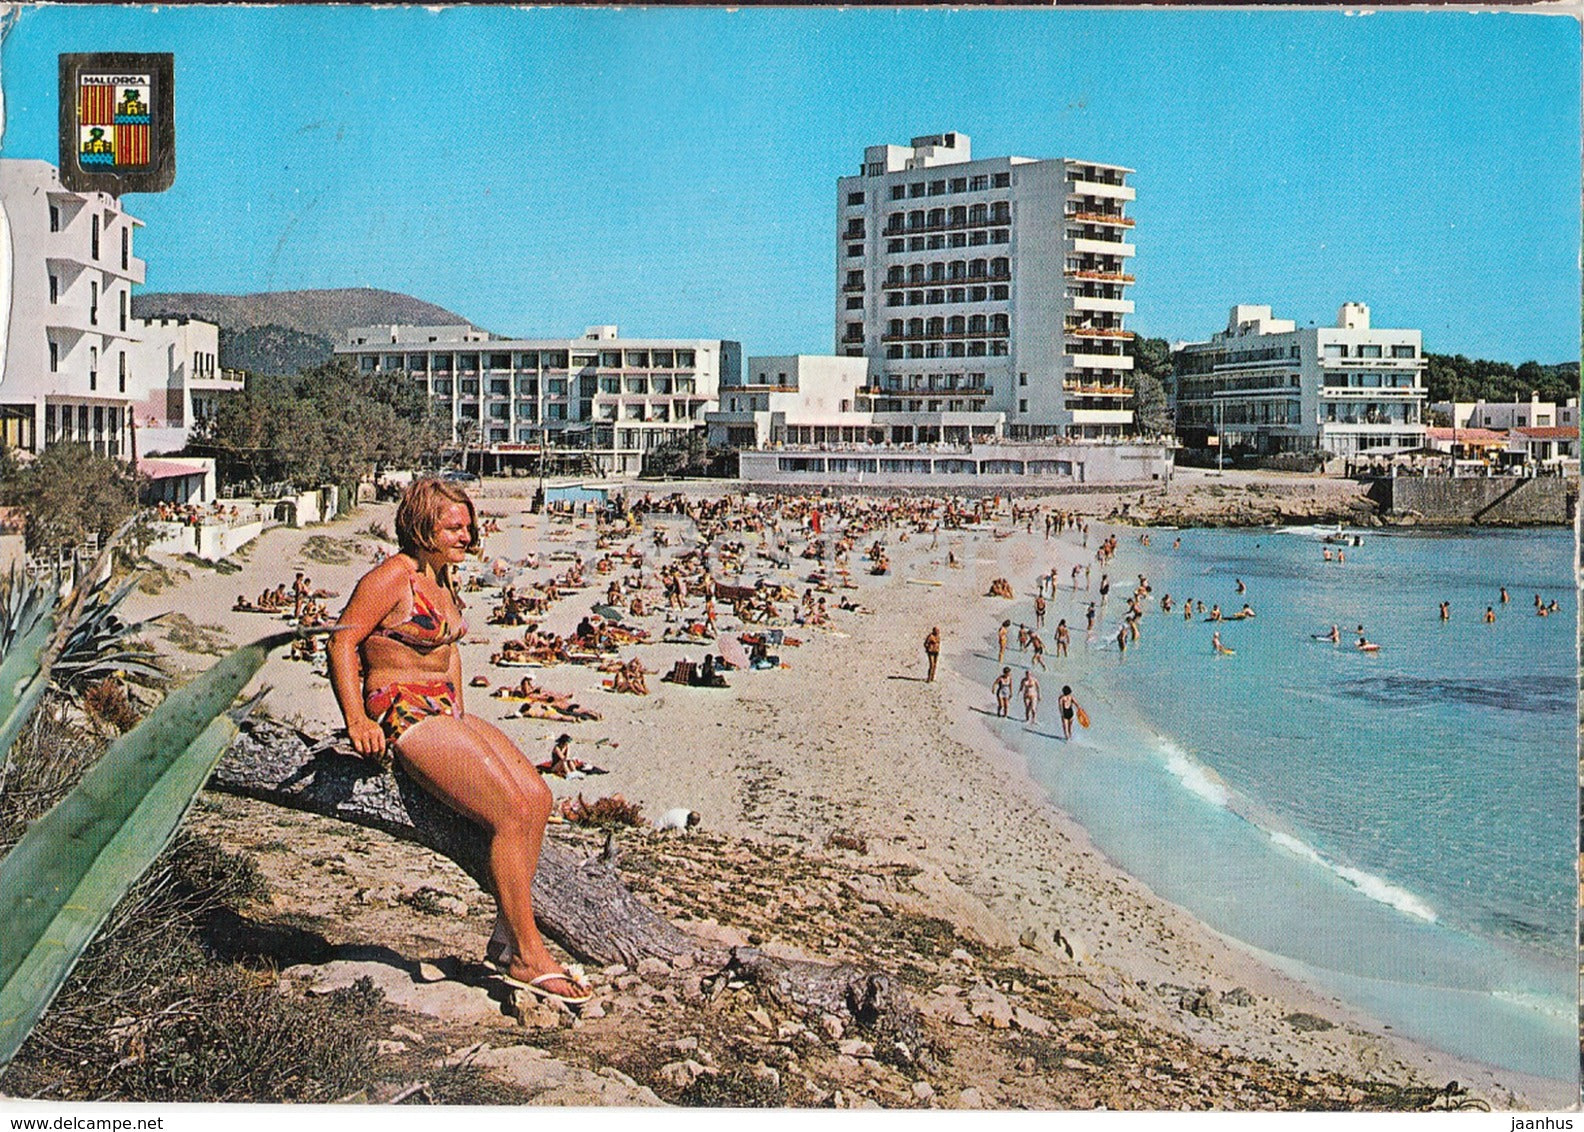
x,y
1100,189
1097,332
892,284
1099,361
1101,218
1101,276
1102,247
1079,389
999,220
1101,416
1102,305
850,288
945,336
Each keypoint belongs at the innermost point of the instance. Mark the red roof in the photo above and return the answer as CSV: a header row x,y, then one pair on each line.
x,y
169,469
1466,435
1558,432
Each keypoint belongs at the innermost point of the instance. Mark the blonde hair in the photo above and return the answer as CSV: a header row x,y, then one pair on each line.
x,y
418,518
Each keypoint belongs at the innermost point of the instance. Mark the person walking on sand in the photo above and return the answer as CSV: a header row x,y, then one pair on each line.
x,y
1089,614
1063,637
1001,639
1031,695
1068,707
1039,649
1003,692
397,676
1039,612
932,652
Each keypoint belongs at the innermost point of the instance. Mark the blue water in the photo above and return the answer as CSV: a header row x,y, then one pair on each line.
x,y
1398,827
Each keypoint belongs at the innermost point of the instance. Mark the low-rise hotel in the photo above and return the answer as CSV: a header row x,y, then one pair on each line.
x,y
1269,385
609,398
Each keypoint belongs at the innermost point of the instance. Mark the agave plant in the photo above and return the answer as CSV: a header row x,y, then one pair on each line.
x,y
62,879
102,645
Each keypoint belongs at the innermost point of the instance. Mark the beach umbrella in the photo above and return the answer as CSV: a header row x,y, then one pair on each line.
x,y
731,651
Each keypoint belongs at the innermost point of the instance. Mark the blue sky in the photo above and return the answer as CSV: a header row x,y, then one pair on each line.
x,y
675,171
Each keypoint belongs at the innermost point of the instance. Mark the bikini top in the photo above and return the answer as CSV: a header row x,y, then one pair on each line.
x,y
426,628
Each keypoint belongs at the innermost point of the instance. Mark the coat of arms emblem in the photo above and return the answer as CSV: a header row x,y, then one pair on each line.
x,y
117,122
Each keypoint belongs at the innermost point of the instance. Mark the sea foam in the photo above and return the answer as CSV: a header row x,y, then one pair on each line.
x,y
1369,884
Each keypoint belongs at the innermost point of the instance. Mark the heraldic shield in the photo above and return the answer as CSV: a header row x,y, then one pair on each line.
x,y
117,125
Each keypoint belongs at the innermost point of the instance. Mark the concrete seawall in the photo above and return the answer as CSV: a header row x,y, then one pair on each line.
x,y
1492,500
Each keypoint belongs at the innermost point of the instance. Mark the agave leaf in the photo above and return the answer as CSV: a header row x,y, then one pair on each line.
x,y
23,678
71,867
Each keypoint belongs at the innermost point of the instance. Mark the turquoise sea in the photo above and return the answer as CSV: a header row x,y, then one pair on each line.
x,y
1397,828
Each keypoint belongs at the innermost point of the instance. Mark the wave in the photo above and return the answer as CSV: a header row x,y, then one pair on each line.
x,y
1372,886
1548,1005
1204,783
1198,778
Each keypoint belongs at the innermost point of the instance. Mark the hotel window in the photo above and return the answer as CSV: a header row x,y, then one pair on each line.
x,y
898,192
1369,351
611,359
916,189
637,359
979,182
93,367
468,363
1022,404
959,184
855,198
894,298
126,247
124,310
500,361
977,238
528,387
957,240
1402,351
894,246
663,359
978,214
998,349
854,250
893,352
937,296
855,229
937,188
999,236
855,302
470,387
54,358
915,298
93,303
915,243
94,239
54,218
855,279
121,371
1003,180
934,243
54,290
500,387
999,291
976,294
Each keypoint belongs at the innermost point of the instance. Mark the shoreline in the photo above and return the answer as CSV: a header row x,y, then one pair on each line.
x,y
910,772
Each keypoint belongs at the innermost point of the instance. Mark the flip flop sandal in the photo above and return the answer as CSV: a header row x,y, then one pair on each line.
x,y
535,987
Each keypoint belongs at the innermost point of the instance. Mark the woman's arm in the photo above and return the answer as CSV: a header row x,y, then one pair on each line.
x,y
376,594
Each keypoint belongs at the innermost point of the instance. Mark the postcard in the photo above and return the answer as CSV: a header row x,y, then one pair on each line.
x,y
790,558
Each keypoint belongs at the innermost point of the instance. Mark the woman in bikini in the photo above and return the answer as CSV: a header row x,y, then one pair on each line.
x,y
397,675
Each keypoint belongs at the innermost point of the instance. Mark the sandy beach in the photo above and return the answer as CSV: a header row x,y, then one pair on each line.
x,y
846,739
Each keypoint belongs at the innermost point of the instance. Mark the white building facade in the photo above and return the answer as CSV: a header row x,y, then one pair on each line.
x,y
995,285
178,380
1269,385
66,367
614,398
1504,415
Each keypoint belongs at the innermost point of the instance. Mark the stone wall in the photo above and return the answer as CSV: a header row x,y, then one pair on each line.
x,y
1485,500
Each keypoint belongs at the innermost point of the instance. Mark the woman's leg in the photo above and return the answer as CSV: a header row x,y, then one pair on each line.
x,y
491,783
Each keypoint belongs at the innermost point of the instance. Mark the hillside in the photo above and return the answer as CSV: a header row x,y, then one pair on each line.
x,y
283,331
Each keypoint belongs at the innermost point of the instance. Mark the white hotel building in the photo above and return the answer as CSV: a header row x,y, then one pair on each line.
x,y
75,366
994,286
610,397
1265,383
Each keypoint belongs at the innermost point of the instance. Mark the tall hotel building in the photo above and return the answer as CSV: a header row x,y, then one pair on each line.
x,y
989,286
